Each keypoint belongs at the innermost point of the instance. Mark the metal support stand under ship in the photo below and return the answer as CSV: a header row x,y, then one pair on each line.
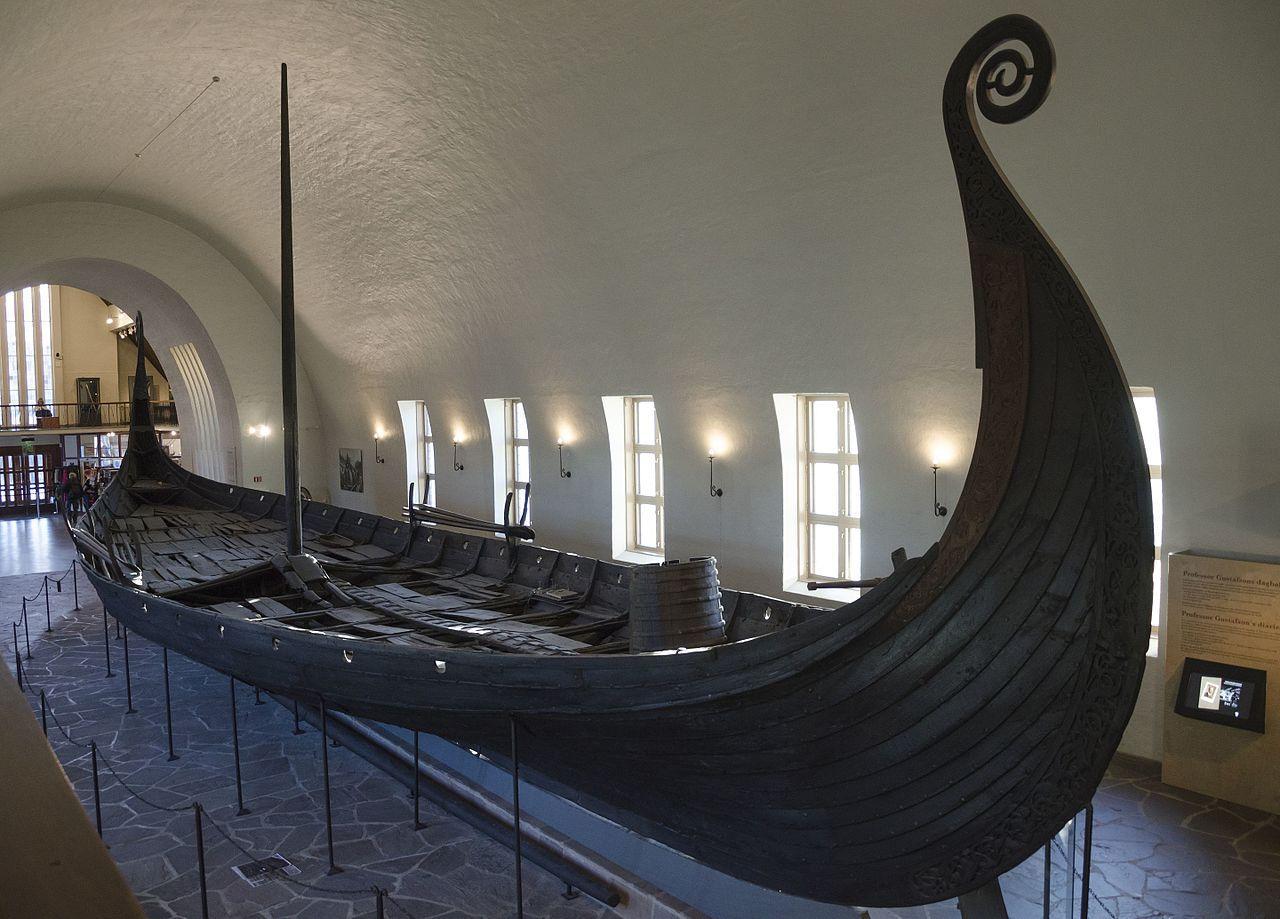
x,y
907,747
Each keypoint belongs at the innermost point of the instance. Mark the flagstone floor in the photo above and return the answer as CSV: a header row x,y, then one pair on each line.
x,y
1158,851
446,871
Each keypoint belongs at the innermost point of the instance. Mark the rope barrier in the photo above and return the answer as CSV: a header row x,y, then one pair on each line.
x,y
89,750
135,793
62,729
44,586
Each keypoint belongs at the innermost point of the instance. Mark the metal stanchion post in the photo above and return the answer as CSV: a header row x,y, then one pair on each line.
x,y
1071,868
25,631
117,630
128,678
97,791
75,584
297,728
168,707
328,804
235,741
381,909
257,696
44,714
48,619
17,656
106,640
515,816
204,884
1048,854
417,788
1088,861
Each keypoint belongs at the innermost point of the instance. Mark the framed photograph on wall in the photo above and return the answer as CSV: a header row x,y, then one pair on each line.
x,y
350,469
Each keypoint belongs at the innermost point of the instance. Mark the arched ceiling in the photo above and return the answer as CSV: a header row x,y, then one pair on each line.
x,y
480,183
463,168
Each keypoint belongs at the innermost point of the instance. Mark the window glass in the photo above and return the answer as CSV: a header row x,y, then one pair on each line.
x,y
824,430
646,423
824,492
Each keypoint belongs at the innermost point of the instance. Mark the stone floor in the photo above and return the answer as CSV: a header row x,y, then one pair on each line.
x,y
446,871
1158,851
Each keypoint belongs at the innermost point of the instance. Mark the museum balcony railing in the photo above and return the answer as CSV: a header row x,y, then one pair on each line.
x,y
72,415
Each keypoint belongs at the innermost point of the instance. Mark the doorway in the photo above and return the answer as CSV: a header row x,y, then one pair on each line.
x,y
27,474
89,398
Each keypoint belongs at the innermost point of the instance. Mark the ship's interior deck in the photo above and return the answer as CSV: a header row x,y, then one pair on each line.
x,y
377,579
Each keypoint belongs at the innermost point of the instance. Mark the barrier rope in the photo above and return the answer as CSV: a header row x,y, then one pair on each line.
x,y
44,587
133,792
61,729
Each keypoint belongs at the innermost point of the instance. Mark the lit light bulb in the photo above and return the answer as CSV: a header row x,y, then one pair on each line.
x,y
941,452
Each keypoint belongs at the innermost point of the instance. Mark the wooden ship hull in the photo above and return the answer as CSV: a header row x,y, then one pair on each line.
x,y
907,747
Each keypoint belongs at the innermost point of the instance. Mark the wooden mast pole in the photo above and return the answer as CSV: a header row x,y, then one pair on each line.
x,y
288,351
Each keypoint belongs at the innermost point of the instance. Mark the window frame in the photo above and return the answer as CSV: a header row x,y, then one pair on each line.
x,y
427,457
633,451
419,449
513,408
30,325
848,520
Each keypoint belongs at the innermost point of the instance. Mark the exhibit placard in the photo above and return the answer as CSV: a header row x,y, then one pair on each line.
x,y
1223,619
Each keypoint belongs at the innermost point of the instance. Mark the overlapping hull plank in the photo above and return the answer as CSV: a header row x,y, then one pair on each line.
x,y
905,748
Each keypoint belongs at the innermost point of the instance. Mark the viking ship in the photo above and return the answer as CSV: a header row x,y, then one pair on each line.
x,y
907,747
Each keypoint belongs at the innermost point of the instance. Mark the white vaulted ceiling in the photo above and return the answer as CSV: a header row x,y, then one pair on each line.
x,y
466,169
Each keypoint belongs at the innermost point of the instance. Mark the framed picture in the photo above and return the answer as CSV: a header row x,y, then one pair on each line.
x,y
350,469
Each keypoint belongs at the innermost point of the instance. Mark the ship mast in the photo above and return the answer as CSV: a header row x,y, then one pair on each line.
x,y
288,352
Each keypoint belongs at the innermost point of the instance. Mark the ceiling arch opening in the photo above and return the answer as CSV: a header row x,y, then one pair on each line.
x,y
180,349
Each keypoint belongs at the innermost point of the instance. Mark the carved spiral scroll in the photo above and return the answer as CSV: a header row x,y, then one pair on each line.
x,y
1008,86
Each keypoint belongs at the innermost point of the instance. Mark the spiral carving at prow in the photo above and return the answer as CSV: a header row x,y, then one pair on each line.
x,y
1012,70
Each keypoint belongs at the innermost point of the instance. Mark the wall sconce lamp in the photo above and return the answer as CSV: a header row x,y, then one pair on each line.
x,y
716,492
939,510
260,431
377,436
457,466
564,473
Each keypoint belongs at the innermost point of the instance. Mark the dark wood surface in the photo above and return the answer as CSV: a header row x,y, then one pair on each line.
x,y
908,747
